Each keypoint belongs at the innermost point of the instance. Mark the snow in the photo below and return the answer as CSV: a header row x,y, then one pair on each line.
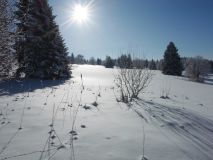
x,y
179,127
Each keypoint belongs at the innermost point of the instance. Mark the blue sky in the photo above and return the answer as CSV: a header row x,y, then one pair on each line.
x,y
142,27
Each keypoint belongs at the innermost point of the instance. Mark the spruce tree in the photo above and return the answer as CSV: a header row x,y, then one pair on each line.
x,y
125,61
109,63
40,47
129,61
99,61
72,59
6,38
21,32
172,62
146,63
152,65
211,64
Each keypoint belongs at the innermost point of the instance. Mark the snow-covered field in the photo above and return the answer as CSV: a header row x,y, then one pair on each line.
x,y
43,120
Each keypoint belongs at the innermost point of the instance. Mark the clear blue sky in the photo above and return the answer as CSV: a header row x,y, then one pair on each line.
x,y
144,27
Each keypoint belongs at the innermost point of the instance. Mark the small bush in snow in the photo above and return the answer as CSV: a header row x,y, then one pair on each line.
x,y
132,82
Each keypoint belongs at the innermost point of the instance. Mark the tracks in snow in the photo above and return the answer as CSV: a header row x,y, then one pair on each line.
x,y
192,128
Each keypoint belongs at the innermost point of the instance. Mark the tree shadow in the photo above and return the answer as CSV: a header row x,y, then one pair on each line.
x,y
13,86
193,128
206,80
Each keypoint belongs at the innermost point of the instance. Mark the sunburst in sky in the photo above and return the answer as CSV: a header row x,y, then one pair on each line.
x,y
108,27
80,13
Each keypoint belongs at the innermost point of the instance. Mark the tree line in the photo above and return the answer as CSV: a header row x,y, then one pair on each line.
x,y
31,46
124,61
172,64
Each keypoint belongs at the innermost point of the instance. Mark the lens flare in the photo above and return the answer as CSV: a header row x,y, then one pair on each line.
x,y
80,14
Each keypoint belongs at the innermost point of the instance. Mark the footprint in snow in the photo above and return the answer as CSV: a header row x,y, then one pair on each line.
x,y
86,107
83,126
108,138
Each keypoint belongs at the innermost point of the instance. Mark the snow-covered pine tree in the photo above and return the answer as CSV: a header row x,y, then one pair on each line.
x,y
146,64
22,27
44,53
72,59
152,65
172,63
109,63
99,61
125,61
6,53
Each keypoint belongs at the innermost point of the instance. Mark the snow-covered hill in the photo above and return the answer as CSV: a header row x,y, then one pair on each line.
x,y
80,119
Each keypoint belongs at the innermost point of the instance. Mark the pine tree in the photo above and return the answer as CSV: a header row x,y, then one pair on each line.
x,y
146,63
40,47
109,63
99,61
152,65
72,59
21,32
129,61
125,61
6,38
211,64
172,62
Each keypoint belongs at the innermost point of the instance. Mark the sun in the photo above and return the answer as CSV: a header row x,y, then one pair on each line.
x,y
80,14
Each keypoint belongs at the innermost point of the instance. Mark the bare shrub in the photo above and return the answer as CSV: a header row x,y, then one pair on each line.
x,y
197,68
166,89
132,82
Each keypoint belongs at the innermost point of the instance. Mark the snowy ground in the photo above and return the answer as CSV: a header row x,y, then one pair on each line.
x,y
59,119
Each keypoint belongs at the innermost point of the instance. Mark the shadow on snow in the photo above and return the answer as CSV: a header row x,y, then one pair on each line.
x,y
195,129
11,87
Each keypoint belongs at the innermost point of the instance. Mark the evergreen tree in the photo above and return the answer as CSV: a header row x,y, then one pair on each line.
x,y
72,59
159,65
211,64
109,63
125,61
137,63
99,61
146,63
21,38
152,65
40,47
6,39
172,62
129,61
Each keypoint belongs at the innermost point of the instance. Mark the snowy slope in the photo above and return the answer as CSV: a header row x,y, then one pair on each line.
x,y
59,119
